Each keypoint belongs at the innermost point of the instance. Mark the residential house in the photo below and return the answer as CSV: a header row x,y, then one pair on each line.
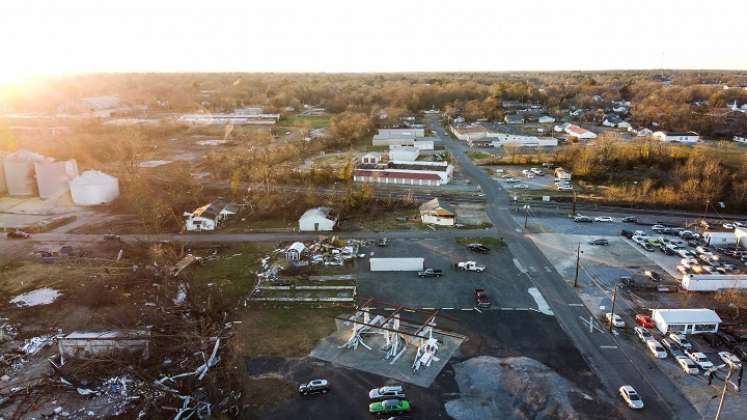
x,y
210,216
318,219
436,213
614,120
514,119
689,137
403,153
579,132
296,251
371,158
546,119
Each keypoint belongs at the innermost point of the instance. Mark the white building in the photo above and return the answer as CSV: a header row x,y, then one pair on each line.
x,y
579,132
720,239
433,212
406,173
689,137
713,282
525,141
318,219
741,138
53,178
371,158
232,118
467,132
686,321
389,133
546,119
19,172
93,188
210,216
403,153
295,252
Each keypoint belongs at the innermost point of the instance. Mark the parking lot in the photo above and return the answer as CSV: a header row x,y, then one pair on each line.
x,y
512,178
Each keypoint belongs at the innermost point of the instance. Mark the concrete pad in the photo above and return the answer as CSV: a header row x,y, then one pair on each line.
x,y
372,361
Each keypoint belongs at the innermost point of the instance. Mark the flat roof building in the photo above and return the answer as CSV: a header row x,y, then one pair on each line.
x,y
686,321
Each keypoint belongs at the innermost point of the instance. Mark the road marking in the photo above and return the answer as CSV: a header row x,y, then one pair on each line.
x,y
519,266
608,347
575,304
517,230
467,309
388,309
532,269
477,310
542,305
447,308
428,309
548,269
521,309
507,309
410,310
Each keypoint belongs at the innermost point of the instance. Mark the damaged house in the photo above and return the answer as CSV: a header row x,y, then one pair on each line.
x,y
434,212
318,219
209,216
81,344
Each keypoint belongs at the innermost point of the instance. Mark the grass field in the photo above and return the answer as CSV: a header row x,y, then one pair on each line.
x,y
474,155
318,121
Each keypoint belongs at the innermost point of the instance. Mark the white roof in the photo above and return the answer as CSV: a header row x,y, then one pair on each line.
x,y
297,246
24,155
93,178
317,212
688,316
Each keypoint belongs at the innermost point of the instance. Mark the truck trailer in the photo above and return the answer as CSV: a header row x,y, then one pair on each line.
x,y
396,264
720,239
713,282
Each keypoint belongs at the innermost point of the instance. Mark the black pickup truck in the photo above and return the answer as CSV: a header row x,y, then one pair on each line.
x,y
430,272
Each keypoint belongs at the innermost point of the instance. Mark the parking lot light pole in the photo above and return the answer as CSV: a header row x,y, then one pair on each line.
x,y
612,310
723,393
578,263
526,215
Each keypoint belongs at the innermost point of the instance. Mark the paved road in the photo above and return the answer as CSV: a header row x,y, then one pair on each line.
x,y
612,364
259,237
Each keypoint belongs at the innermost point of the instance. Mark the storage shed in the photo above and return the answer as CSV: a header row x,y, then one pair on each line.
x,y
92,188
686,321
3,185
53,178
19,172
318,219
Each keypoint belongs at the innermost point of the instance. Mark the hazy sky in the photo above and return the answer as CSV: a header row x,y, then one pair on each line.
x,y
45,37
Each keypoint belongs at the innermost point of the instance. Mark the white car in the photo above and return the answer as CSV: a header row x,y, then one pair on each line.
x,y
643,334
656,349
617,321
565,188
499,171
604,219
640,233
730,359
687,365
386,391
537,171
521,186
699,358
729,226
631,397
525,172
530,175
511,180
657,228
681,341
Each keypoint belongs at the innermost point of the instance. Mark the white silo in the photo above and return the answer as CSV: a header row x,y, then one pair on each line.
x,y
93,188
53,178
3,185
19,172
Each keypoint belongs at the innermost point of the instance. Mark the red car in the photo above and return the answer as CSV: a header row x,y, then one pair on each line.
x,y
482,300
644,321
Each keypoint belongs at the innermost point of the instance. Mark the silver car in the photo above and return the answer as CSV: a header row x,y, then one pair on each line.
x,y
387,393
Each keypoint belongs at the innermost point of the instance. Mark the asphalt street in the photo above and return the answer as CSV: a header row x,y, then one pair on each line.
x,y
613,365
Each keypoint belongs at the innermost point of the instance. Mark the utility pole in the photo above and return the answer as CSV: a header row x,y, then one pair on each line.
x,y
578,263
526,215
705,210
614,297
573,211
723,393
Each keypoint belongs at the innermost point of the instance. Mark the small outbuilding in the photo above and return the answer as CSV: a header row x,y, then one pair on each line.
x,y
686,321
403,153
434,212
209,216
93,188
295,252
53,178
371,158
318,219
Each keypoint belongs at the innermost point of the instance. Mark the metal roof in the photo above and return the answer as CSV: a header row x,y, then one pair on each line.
x,y
688,316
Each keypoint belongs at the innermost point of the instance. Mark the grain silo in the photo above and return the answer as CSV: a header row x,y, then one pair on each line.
x,y
3,185
93,188
53,178
19,172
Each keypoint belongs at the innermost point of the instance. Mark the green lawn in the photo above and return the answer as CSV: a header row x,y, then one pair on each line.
x,y
479,155
232,276
317,121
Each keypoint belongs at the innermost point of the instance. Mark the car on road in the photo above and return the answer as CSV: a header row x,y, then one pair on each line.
x,y
656,349
537,171
383,242
521,186
627,233
653,275
600,241
629,219
389,407
643,335
681,341
482,300
430,272
583,219
392,392
730,359
479,248
616,320
631,397
316,386
645,321
511,180
604,219
658,228
699,358
687,365
18,234
112,237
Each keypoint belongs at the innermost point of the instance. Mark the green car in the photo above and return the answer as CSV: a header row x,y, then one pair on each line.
x,y
390,406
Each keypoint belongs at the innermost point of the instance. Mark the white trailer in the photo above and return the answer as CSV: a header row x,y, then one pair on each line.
x,y
713,282
720,239
396,264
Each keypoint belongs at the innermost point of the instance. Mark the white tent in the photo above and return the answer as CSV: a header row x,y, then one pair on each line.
x,y
93,188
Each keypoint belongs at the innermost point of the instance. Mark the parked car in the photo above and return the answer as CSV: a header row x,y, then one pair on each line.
x,y
430,272
653,275
482,300
640,233
393,392
642,334
687,365
316,386
648,247
730,359
511,180
645,321
699,358
521,186
681,340
479,248
631,397
383,242
726,339
604,219
537,171
582,219
389,407
671,346
616,320
18,234
629,219
600,241
656,349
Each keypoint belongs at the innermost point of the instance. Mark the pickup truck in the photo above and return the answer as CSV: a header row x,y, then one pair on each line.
x,y
470,266
482,300
430,272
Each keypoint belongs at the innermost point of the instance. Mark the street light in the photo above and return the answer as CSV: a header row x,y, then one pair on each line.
x,y
526,215
612,310
578,264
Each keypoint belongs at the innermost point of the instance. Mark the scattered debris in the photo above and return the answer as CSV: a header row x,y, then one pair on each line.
x,y
43,296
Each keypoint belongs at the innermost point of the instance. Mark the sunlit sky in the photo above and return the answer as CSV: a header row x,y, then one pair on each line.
x,y
40,37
